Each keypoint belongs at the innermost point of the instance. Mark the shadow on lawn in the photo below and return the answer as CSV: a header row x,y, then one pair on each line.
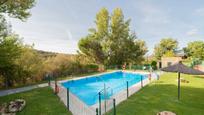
x,y
201,77
159,97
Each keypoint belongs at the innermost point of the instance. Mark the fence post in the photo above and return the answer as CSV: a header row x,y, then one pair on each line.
x,y
127,90
99,97
96,111
114,107
56,87
141,81
48,79
68,98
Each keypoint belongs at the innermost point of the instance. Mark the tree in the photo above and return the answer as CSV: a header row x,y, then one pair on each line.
x,y
10,48
111,42
195,50
119,39
140,51
30,65
16,8
10,44
92,44
165,46
154,65
169,53
92,48
5,28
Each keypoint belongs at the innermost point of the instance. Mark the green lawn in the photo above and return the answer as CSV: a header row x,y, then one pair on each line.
x,y
39,101
157,96
162,95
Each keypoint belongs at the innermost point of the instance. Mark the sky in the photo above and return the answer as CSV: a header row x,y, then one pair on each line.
x,y
58,25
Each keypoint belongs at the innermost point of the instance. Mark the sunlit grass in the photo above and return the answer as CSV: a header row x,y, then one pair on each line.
x,y
162,95
41,101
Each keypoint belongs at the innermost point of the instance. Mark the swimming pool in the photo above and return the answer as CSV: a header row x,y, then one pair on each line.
x,y
87,89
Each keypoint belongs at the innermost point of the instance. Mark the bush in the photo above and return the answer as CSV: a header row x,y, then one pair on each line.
x,y
91,68
74,68
154,65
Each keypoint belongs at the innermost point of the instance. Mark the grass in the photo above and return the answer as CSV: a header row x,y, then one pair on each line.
x,y
158,96
162,95
41,101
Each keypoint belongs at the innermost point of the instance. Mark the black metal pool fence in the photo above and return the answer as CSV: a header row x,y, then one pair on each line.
x,y
107,105
130,67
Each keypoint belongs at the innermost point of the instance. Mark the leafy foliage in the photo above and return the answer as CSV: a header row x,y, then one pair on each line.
x,y
16,8
169,53
63,65
11,49
166,46
30,65
111,42
154,65
10,44
195,50
5,28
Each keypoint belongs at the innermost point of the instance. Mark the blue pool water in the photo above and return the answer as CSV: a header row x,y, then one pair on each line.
x,y
87,89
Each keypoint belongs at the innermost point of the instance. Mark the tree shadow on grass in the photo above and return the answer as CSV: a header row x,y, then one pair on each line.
x,y
201,76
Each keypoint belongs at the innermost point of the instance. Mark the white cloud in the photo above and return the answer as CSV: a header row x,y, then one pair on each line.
x,y
69,34
192,32
199,11
153,14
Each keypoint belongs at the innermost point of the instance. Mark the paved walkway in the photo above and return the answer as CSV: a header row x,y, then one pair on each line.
x,y
22,89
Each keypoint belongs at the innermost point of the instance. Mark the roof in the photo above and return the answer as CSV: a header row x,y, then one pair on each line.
x,y
179,67
180,53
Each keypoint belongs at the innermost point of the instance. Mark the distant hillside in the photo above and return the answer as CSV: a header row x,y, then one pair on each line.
x,y
47,54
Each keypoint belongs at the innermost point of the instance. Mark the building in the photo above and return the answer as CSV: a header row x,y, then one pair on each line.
x,y
167,61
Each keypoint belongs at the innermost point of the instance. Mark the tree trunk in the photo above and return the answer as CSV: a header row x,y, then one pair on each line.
x,y
6,82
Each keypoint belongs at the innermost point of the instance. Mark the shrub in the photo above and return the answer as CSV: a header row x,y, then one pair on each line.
x,y
91,67
154,65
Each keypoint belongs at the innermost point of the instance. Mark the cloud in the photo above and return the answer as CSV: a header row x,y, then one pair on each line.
x,y
153,14
69,34
199,12
192,32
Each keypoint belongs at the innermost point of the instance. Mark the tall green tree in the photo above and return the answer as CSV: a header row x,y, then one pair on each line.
x,y
195,50
111,42
102,23
10,48
165,47
92,44
119,38
10,44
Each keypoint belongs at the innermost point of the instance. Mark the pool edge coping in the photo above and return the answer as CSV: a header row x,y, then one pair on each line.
x,y
88,76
